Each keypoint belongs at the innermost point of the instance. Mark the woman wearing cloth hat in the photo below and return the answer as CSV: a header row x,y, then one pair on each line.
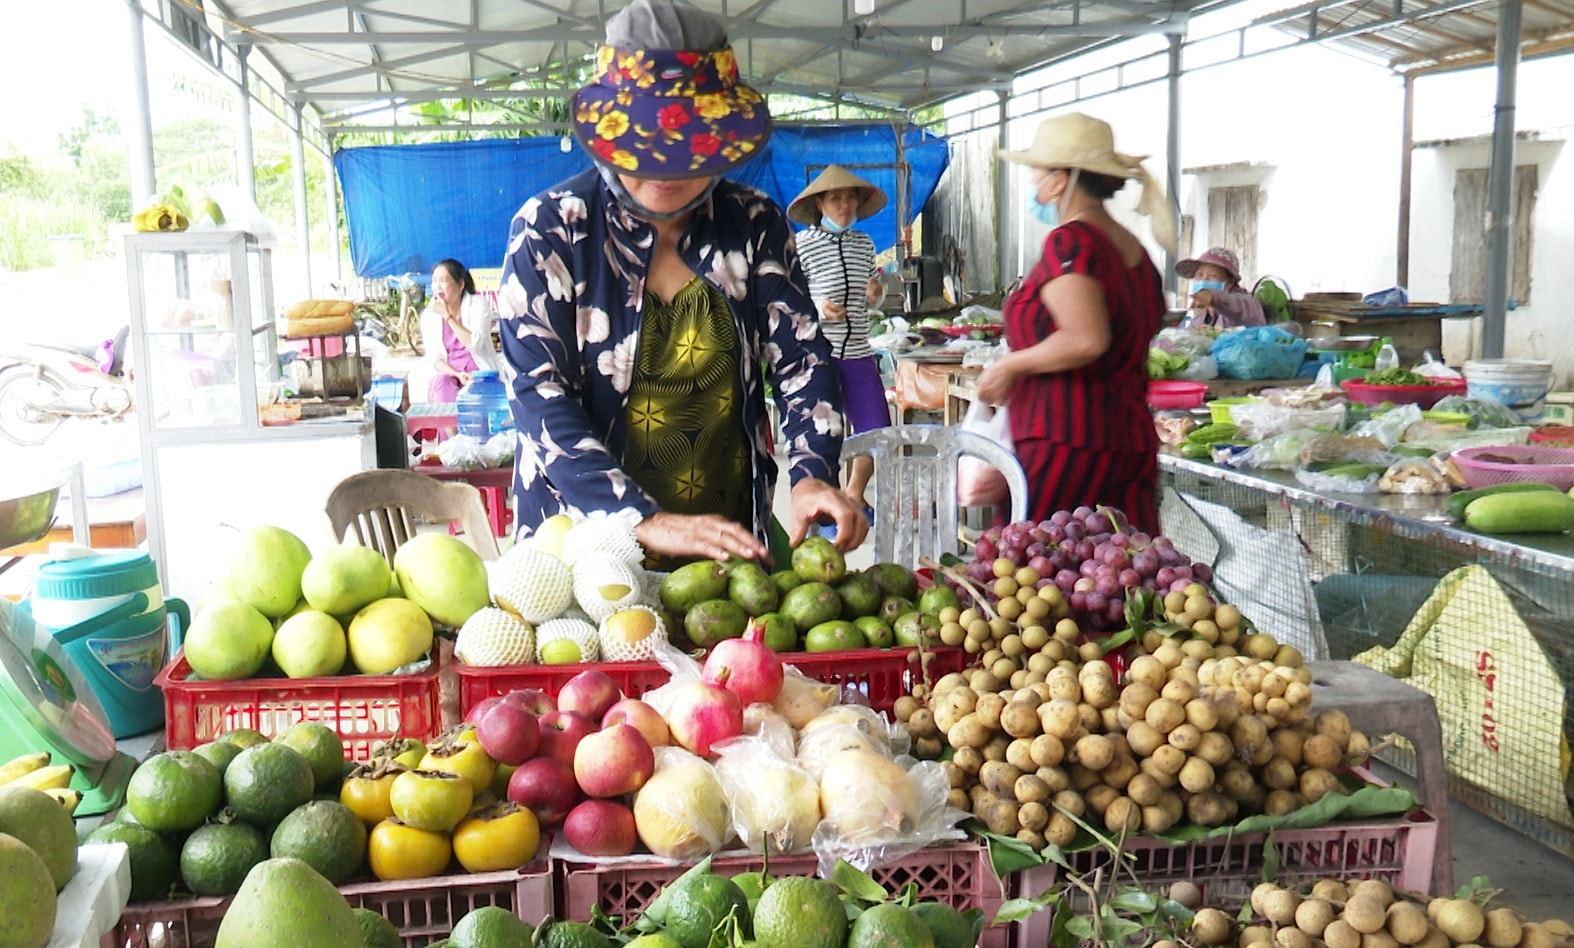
x,y
1078,328
1217,297
641,300
843,281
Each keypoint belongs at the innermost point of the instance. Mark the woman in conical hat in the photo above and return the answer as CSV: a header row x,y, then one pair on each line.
x,y
1078,327
843,281
646,303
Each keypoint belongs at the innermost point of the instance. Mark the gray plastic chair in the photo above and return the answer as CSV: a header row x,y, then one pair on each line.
x,y
915,486
384,508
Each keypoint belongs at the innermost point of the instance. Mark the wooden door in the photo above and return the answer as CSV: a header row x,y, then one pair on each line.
x,y
1232,223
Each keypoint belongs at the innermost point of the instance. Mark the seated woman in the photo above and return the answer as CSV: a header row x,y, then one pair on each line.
x,y
456,327
1217,297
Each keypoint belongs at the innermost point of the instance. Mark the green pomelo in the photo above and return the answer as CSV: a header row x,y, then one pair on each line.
x,y
894,579
950,928
800,912
713,621
38,820
573,935
344,578
243,737
938,597
322,748
218,753
860,595
265,569
310,644
389,633
752,885
699,903
228,640
914,627
691,584
781,633
889,925
174,791
155,863
818,560
490,927
325,835
444,576
217,857
27,896
264,783
376,931
876,631
750,587
811,604
284,903
834,635
654,940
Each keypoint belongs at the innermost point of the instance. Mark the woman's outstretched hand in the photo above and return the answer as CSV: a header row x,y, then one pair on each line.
x,y
698,536
813,499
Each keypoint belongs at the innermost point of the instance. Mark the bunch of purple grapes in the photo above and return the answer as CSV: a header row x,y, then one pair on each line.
x,y
1093,556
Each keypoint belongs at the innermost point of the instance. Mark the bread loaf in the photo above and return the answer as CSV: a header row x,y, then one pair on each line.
x,y
301,327
308,309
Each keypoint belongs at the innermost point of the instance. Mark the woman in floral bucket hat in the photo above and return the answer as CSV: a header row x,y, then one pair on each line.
x,y
647,302
1217,297
1078,327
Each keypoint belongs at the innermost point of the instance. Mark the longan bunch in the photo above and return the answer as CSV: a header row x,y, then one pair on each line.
x,y
1368,913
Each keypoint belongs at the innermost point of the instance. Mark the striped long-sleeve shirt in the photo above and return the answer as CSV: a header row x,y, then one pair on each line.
x,y
839,267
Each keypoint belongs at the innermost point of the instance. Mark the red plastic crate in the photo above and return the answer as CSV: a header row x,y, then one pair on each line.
x,y
881,674
958,874
423,910
1398,851
362,709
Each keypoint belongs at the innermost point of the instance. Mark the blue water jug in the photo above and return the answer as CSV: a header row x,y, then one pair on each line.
x,y
483,406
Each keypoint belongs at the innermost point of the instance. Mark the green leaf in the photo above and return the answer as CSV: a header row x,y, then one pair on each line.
x,y
1138,901
1080,926
975,917
857,883
1270,859
1060,928
908,897
1116,931
1176,912
1007,854
1476,889
1016,910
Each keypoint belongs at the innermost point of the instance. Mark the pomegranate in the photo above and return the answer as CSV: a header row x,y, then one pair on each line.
x,y
754,671
704,713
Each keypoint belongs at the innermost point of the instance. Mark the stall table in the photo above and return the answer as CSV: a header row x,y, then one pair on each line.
x,y
962,387
496,485
1338,574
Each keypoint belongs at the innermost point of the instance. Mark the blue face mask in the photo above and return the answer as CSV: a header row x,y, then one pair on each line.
x,y
1047,214
1197,286
832,226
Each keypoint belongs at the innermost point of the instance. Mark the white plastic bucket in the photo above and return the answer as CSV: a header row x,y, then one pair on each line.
x,y
1521,384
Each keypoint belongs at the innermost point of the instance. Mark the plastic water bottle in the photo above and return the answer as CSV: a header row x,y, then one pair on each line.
x,y
1387,358
483,406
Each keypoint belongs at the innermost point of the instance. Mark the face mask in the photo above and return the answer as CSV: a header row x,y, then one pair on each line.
x,y
1047,214
1197,286
631,204
832,226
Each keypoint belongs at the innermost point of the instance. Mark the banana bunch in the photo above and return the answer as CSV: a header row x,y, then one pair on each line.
x,y
35,772
159,217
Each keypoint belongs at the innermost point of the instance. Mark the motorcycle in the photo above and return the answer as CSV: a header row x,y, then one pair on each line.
x,y
44,384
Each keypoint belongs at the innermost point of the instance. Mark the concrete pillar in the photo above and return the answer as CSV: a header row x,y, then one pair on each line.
x,y
139,116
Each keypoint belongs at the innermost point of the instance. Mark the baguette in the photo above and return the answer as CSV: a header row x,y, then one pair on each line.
x,y
308,309
305,326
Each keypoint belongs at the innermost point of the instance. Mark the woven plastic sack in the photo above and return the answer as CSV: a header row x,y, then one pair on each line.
x,y
1499,699
1259,352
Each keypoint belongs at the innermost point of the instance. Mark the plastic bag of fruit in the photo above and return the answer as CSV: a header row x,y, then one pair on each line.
x,y
774,802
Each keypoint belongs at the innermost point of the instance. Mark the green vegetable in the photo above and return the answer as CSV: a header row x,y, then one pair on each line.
x,y
1212,434
1163,365
1197,452
1356,470
1397,377
1537,511
1459,500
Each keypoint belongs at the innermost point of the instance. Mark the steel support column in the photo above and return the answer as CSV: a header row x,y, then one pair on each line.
x,y
1500,181
139,117
331,208
245,153
1002,198
303,229
1172,161
1406,158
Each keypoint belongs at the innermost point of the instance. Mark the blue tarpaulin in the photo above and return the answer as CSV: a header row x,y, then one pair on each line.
x,y
409,206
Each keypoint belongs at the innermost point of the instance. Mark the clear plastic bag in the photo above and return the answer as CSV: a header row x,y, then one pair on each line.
x,y
1201,369
682,811
1281,452
817,747
1194,344
464,452
1335,484
772,800
979,483
877,809
802,698
1390,426
764,723
1257,421
1413,476
1434,368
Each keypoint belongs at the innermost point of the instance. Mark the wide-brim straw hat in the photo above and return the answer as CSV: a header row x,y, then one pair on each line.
x,y
664,100
803,208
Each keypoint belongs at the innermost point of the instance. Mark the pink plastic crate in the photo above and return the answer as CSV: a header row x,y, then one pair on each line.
x,y
362,709
958,874
1397,851
423,910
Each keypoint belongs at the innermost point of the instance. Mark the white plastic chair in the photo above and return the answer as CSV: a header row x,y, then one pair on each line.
x,y
915,487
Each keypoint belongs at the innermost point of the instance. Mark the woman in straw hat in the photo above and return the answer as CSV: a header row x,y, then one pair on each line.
x,y
1217,297
1078,328
646,301
843,282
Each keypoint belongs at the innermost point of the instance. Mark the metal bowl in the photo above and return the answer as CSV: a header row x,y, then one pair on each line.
x,y
1343,343
24,517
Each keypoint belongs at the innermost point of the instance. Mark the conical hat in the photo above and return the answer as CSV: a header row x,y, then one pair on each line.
x,y
803,209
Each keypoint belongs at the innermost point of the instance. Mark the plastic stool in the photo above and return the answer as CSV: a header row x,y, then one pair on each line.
x,y
1377,705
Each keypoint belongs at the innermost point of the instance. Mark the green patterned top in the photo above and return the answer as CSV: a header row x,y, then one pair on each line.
x,y
685,444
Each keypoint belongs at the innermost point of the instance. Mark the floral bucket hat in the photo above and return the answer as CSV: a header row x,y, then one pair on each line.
x,y
1221,257
668,113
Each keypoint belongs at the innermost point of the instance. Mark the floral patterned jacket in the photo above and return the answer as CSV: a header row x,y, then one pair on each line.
x,y
570,303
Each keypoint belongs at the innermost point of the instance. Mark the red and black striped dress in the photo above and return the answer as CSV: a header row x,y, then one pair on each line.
x,y
1086,436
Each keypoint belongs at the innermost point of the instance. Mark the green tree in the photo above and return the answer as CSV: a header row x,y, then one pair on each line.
x,y
20,175
77,140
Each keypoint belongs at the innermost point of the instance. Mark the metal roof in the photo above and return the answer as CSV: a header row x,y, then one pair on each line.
x,y
345,60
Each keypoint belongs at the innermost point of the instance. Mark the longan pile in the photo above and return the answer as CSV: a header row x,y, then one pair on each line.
x,y
1143,756
1369,914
